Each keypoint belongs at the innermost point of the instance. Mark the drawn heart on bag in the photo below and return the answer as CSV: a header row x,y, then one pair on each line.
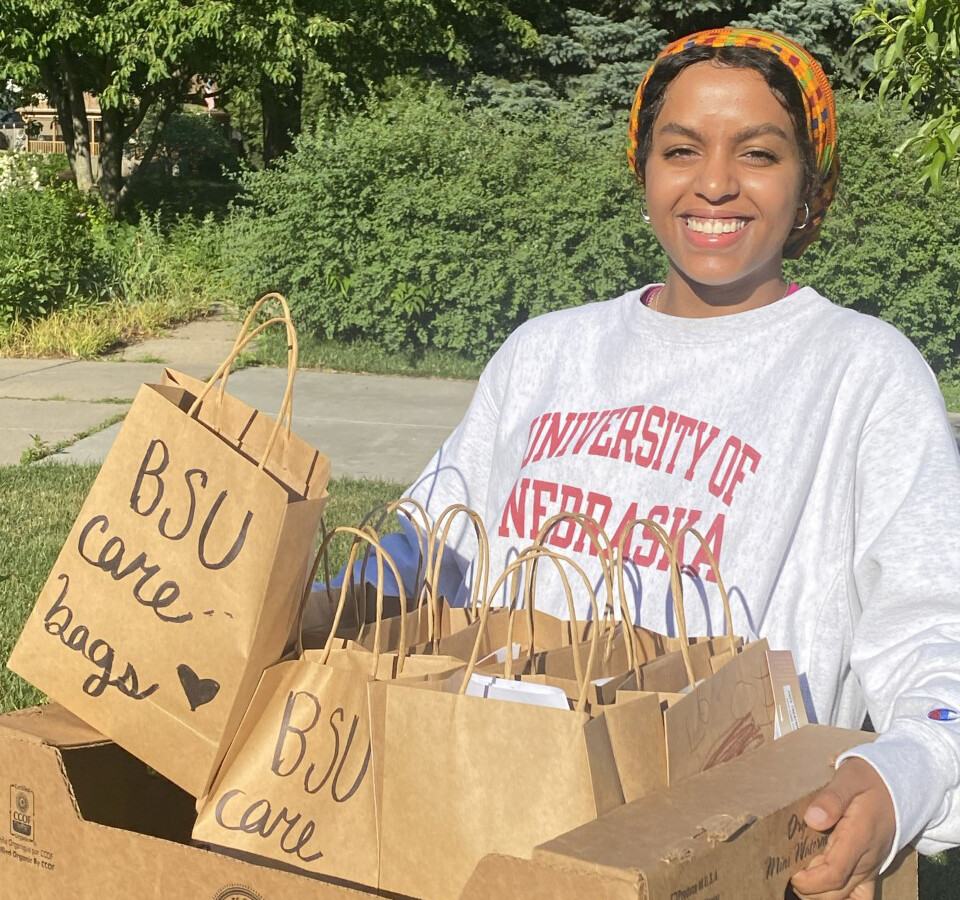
x,y
198,690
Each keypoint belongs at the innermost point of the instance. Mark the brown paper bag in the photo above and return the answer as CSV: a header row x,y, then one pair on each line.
x,y
297,787
429,617
181,578
727,711
464,776
543,644
623,651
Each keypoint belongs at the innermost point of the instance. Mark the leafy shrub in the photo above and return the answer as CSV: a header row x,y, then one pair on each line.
x,y
177,263
198,143
888,248
53,168
426,224
17,172
47,247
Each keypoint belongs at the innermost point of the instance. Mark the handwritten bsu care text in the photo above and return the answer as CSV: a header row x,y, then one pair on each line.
x,y
322,774
218,544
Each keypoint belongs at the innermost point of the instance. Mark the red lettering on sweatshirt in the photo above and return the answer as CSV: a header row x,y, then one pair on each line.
x,y
629,426
601,446
685,427
533,501
688,518
598,508
531,440
644,458
554,436
571,501
714,539
652,437
541,489
514,509
700,447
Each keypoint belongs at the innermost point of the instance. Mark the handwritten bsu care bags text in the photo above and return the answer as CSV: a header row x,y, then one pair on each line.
x,y
181,578
297,786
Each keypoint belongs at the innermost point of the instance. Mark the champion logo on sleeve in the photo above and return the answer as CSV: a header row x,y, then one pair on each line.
x,y
943,714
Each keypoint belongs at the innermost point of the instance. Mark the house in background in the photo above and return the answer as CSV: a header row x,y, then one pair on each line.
x,y
49,138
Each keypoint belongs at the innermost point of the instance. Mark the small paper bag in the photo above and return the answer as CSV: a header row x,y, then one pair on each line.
x,y
727,711
463,776
297,788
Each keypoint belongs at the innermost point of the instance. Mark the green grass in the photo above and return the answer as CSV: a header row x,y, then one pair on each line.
x,y
88,331
361,356
38,505
950,385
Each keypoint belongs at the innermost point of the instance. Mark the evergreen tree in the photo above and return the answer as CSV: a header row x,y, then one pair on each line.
x,y
591,56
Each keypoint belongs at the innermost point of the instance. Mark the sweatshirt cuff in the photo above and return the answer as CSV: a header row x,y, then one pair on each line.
x,y
917,776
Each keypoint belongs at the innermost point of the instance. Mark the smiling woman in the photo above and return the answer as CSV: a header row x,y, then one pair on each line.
x,y
807,442
724,191
736,150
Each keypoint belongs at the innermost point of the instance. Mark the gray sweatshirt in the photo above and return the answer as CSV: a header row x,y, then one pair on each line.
x,y
806,442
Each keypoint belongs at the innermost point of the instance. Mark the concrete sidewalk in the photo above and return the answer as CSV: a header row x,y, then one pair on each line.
x,y
369,425
373,426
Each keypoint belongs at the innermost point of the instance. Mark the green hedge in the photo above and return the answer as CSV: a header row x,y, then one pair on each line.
x,y
425,224
888,248
428,225
47,239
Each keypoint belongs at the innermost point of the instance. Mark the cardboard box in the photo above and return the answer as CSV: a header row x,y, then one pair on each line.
x,y
735,832
81,819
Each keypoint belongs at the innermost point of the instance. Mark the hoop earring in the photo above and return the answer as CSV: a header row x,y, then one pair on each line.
x,y
644,216
806,219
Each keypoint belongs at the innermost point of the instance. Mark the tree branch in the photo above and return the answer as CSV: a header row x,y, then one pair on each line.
x,y
172,102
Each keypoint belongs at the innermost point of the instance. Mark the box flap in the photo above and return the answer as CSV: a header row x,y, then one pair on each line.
x,y
53,725
712,806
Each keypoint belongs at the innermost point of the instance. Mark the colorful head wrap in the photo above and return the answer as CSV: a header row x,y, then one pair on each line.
x,y
818,98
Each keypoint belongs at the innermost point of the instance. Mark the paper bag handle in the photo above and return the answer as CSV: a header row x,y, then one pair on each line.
x,y
724,596
661,536
360,537
602,546
598,539
321,556
370,537
513,571
423,563
438,538
245,336
532,555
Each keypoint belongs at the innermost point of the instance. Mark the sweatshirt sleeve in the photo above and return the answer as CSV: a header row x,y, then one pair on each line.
x,y
459,472
906,583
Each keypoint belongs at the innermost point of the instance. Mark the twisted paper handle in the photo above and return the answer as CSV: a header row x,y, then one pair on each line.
x,y
513,572
361,537
244,337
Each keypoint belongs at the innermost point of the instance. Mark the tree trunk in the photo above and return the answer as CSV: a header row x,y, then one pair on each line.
x,y
170,104
111,161
66,92
281,105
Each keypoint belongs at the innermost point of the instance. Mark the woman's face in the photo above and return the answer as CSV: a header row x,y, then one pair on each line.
x,y
724,176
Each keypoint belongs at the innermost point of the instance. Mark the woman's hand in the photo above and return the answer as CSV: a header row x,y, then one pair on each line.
x,y
858,807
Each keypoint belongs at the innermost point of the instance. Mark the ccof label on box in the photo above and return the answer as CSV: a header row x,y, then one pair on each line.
x,y
21,812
